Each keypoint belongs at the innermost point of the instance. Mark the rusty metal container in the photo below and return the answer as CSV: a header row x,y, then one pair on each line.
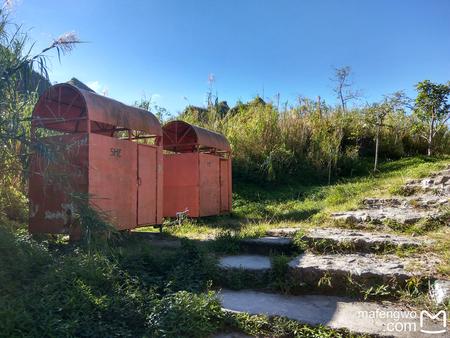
x,y
197,171
88,146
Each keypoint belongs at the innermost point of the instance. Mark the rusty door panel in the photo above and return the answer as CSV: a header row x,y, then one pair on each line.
x,y
209,185
181,184
224,185
159,185
53,178
179,200
230,185
113,179
147,185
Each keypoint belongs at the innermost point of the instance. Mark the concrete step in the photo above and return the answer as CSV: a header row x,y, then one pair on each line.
x,y
345,240
334,273
245,262
383,319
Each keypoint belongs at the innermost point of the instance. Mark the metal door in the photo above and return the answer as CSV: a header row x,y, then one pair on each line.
x,y
53,179
147,185
209,185
112,179
224,185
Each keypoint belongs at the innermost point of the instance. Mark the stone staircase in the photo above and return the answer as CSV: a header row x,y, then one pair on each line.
x,y
323,276
319,283
421,200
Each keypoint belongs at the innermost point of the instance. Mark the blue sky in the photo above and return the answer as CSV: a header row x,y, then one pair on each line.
x,y
167,49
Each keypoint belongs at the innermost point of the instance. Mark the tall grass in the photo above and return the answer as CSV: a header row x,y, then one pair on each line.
x,y
310,140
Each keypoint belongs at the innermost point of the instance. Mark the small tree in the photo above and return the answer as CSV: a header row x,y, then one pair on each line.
x,y
343,88
432,110
390,104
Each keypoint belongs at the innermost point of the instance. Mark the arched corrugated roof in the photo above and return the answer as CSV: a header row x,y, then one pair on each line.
x,y
62,106
181,136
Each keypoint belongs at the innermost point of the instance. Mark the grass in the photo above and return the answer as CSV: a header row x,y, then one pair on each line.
x,y
124,286
259,208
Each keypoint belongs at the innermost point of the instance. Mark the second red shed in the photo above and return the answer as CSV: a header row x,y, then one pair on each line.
x,y
197,171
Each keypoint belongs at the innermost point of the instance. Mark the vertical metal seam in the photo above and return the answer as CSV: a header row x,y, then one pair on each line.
x,y
137,185
156,187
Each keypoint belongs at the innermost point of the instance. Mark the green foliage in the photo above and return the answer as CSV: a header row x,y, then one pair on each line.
x,y
432,110
226,242
23,75
45,292
184,314
280,277
264,326
314,140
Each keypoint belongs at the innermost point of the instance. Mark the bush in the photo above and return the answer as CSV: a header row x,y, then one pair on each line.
x,y
311,140
71,292
183,314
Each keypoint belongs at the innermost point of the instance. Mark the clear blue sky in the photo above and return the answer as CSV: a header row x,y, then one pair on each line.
x,y
167,48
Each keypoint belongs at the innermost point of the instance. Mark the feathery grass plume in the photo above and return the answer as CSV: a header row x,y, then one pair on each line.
x,y
64,44
8,5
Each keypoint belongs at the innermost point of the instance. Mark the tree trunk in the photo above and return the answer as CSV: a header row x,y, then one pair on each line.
x,y
329,171
377,143
342,102
431,135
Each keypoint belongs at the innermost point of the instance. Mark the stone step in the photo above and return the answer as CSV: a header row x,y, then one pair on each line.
x,y
404,216
333,273
363,269
283,232
345,240
423,201
335,312
268,245
342,240
245,262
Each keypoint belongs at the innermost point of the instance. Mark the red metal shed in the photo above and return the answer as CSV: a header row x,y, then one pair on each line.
x,y
197,171
90,145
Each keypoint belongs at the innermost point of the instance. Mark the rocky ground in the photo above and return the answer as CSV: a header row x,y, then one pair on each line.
x,y
337,270
420,200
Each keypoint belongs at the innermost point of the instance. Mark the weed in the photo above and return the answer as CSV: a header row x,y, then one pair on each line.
x,y
226,242
279,273
325,281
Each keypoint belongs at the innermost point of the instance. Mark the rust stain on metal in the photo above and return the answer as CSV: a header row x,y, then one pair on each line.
x,y
90,156
180,136
197,174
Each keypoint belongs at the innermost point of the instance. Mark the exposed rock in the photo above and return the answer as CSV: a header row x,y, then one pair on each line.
x,y
376,203
400,215
440,291
334,312
360,240
308,269
437,183
365,269
283,232
424,199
